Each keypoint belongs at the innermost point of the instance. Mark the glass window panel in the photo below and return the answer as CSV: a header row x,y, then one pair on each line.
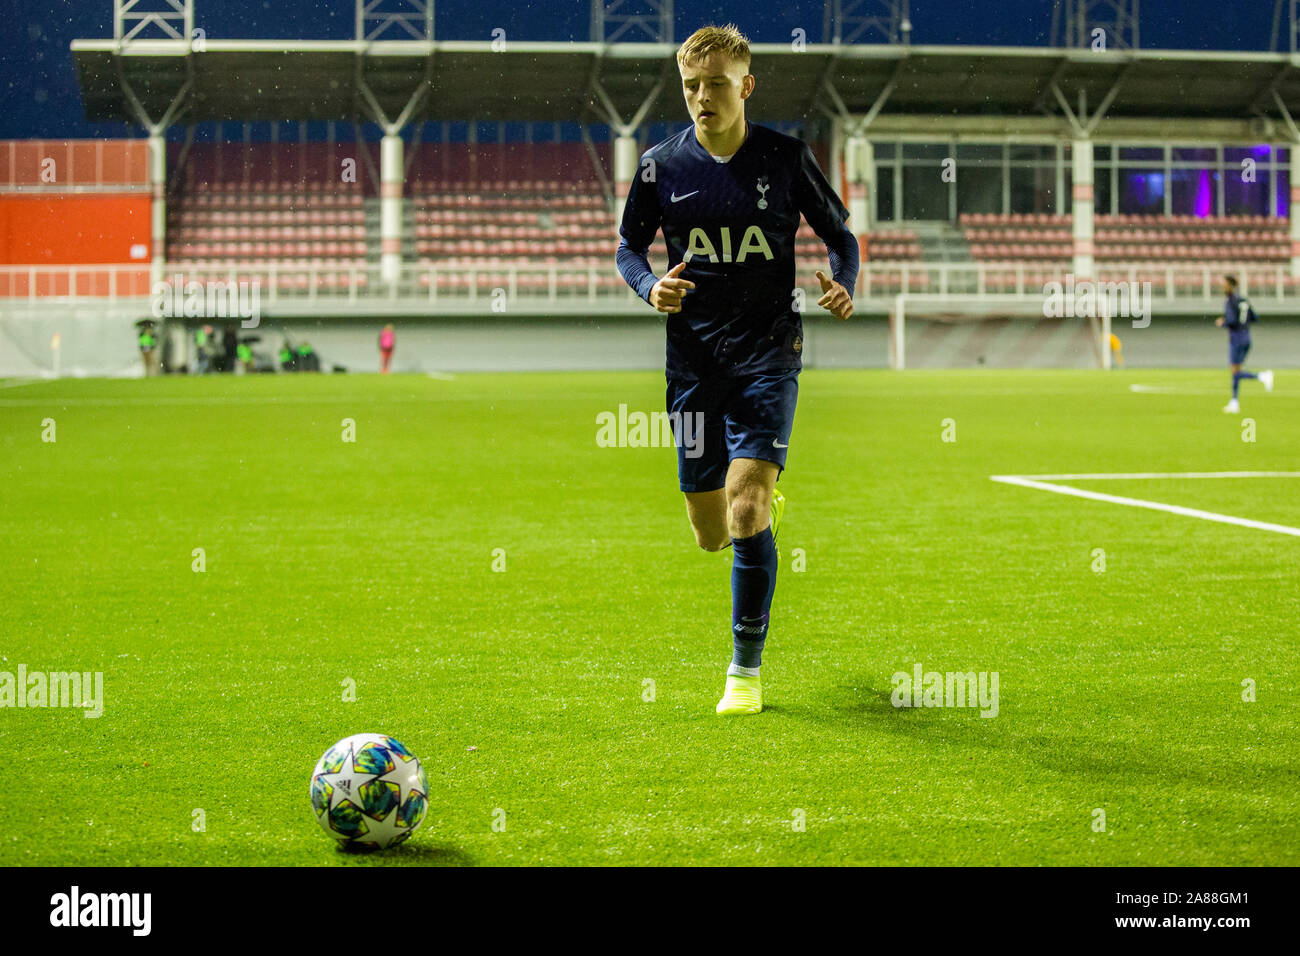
x,y
1198,154
1142,191
1101,193
1195,192
1244,198
1033,189
1101,190
979,188
925,194
1142,153
1033,153
926,151
985,151
885,193
1233,155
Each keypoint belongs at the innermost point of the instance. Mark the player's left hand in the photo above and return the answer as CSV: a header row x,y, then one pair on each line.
x,y
1219,321
835,298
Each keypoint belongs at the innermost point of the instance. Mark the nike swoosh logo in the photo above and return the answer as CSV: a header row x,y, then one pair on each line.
x,y
676,198
777,444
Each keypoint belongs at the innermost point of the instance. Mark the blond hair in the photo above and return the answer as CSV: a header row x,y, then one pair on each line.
x,y
727,40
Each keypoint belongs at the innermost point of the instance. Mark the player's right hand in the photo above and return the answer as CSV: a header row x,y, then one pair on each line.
x,y
1219,321
666,295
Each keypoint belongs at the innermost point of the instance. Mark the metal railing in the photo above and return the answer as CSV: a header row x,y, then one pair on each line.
x,y
435,286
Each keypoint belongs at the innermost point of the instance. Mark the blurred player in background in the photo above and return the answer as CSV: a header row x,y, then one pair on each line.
x,y
386,342
1237,316
149,349
728,195
203,349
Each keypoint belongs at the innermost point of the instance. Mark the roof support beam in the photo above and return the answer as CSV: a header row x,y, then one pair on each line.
x,y
413,101
1081,123
393,164
178,102
1070,118
858,126
179,172
417,140
1286,117
1040,104
367,160
606,188
610,111
1100,112
157,161
823,81
1266,94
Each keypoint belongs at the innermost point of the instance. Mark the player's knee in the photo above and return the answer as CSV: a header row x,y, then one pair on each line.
x,y
749,515
712,539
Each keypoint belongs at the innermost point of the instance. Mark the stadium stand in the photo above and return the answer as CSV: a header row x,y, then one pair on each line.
x,y
1148,244
277,209
445,212
1132,238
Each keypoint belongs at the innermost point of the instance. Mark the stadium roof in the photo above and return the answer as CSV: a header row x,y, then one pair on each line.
x,y
260,80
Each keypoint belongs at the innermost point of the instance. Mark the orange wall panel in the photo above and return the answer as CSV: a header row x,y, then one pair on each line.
x,y
77,162
72,229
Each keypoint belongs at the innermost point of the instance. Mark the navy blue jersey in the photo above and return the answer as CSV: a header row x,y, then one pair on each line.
x,y
1237,316
733,223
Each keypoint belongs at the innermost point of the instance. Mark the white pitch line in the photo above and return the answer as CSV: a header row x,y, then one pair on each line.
x,y
1173,390
1134,476
1151,505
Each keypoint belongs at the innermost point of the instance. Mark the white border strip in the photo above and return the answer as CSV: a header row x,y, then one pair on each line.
x,y
1026,481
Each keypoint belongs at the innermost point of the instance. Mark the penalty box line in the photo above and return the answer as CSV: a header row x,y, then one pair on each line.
x,y
1048,483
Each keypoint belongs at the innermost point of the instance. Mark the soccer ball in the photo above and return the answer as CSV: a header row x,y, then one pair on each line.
x,y
369,791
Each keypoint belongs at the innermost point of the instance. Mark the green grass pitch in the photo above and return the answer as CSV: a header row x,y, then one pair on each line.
x,y
524,690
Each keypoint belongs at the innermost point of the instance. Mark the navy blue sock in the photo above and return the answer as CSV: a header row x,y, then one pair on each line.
x,y
753,581
1237,377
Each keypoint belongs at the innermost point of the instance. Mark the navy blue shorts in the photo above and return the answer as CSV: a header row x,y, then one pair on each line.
x,y
1237,352
746,416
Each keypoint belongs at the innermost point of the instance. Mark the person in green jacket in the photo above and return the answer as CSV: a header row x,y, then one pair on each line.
x,y
307,360
203,349
149,350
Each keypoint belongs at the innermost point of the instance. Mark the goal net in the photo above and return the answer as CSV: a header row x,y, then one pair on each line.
x,y
931,331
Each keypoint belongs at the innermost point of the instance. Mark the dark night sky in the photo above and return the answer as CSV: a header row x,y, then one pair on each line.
x,y
41,98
